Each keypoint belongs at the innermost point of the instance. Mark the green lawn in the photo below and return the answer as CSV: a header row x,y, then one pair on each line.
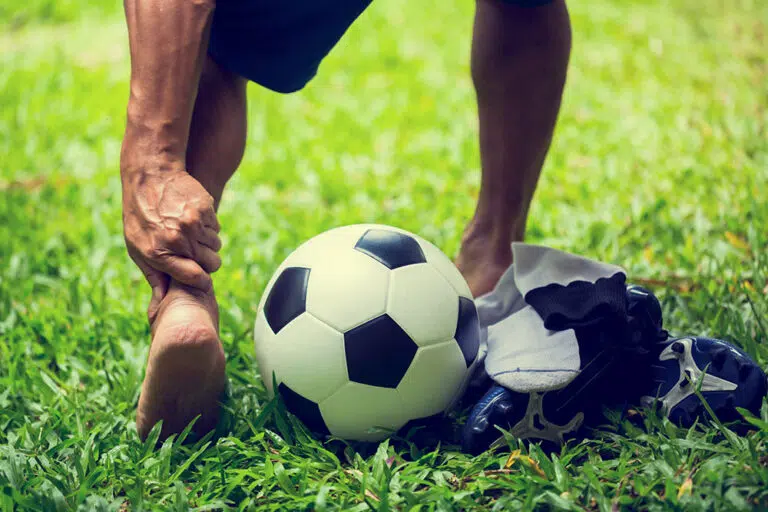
x,y
660,164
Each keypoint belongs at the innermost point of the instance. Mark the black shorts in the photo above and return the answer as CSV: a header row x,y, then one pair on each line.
x,y
279,44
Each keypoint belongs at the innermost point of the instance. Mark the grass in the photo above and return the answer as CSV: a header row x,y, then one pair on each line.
x,y
660,164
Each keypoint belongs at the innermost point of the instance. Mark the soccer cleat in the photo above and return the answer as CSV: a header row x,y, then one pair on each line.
x,y
725,376
645,367
728,377
614,359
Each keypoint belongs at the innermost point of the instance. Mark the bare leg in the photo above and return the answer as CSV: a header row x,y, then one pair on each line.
x,y
185,371
519,63
217,135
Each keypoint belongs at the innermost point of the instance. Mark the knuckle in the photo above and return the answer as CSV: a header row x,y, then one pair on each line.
x,y
190,219
175,237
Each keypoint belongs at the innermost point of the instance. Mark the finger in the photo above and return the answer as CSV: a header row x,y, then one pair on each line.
x,y
209,219
184,270
209,238
207,258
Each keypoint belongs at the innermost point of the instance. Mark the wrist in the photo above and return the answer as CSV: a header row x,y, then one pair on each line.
x,y
138,165
154,129
145,150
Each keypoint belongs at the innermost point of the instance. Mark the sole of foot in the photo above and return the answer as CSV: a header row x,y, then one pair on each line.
x,y
185,374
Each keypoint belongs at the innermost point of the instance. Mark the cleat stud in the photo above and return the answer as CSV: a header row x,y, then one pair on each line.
x,y
678,347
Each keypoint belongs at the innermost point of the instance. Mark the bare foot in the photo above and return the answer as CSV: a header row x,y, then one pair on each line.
x,y
481,264
185,370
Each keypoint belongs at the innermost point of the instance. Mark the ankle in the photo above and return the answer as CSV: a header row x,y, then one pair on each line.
x,y
183,296
488,243
177,289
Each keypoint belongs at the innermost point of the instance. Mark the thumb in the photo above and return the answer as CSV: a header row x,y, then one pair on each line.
x,y
159,283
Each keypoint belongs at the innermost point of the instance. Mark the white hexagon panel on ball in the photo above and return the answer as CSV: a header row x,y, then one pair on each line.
x,y
423,303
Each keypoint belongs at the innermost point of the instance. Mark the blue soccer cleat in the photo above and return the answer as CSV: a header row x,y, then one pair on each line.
x,y
728,377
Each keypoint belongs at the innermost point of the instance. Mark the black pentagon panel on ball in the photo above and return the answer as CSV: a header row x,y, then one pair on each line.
x,y
288,297
378,352
468,330
304,409
390,248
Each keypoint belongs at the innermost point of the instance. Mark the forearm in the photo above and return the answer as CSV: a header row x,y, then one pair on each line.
x,y
168,41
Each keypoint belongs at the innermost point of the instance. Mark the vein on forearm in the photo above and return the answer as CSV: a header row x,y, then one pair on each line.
x,y
168,40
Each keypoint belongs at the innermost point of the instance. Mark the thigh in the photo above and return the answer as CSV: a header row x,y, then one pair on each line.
x,y
279,43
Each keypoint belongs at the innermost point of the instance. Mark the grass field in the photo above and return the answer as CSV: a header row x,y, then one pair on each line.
x,y
660,164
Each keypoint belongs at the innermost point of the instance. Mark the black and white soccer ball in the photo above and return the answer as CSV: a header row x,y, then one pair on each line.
x,y
366,327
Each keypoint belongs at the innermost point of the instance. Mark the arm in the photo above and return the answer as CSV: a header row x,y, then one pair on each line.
x,y
169,221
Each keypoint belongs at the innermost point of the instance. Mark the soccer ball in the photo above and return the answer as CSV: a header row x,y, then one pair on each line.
x,y
364,328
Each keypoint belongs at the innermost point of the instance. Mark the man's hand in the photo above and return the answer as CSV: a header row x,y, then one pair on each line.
x,y
169,221
170,228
